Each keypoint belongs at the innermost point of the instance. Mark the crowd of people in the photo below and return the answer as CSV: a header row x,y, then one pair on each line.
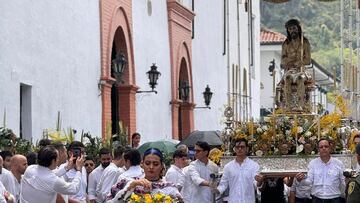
x,y
59,174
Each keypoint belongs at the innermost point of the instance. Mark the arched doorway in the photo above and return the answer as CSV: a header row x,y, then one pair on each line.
x,y
118,101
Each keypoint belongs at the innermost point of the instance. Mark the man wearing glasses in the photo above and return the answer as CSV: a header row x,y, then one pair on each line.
x,y
197,177
241,175
325,175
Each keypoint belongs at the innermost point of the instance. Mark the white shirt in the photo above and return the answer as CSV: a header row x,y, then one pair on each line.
x,y
94,178
327,179
14,188
107,180
40,184
358,167
131,173
197,172
6,179
301,190
240,178
2,192
70,175
175,175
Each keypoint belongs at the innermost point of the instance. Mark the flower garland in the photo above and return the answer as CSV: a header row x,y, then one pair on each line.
x,y
151,198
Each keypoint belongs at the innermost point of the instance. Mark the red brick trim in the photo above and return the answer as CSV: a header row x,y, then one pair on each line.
x,y
116,26
180,19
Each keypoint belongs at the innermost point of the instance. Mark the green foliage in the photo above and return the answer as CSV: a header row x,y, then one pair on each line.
x,y
94,145
320,23
9,141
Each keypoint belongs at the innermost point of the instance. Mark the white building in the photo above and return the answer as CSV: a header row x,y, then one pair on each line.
x,y
56,57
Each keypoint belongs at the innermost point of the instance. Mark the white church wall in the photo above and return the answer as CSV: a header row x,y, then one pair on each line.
x,y
54,50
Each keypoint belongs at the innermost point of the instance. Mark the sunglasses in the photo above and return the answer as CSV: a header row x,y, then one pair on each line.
x,y
89,164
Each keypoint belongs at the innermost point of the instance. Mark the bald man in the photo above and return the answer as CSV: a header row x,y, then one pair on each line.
x,y
18,167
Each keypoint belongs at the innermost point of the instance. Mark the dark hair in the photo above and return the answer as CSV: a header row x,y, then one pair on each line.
x,y
322,139
104,151
357,149
44,142
87,158
134,135
5,154
203,145
58,145
290,23
240,140
31,158
154,151
133,156
118,152
75,144
179,154
46,155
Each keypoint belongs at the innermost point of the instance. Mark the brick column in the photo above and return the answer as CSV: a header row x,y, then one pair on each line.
x,y
175,118
106,103
187,119
127,107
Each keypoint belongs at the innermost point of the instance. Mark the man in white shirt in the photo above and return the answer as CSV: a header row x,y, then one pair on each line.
x,y
76,149
325,175
175,174
40,184
18,166
197,178
241,176
132,159
5,196
5,176
94,177
110,174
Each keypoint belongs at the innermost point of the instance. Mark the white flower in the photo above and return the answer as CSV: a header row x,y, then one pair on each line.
x,y
287,132
300,129
312,152
301,140
265,128
312,138
308,134
258,153
259,130
299,148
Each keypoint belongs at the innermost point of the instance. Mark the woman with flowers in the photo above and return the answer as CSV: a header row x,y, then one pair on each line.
x,y
150,189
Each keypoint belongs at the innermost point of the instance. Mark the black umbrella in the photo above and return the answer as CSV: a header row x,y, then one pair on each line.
x,y
211,137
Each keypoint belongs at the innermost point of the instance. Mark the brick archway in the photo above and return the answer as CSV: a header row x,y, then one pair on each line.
x,y
180,19
116,28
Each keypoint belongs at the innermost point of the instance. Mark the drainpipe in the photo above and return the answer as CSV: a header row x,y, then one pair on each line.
x,y
238,95
251,56
228,48
342,85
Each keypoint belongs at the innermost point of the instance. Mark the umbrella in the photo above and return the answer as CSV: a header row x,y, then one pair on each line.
x,y
211,137
166,147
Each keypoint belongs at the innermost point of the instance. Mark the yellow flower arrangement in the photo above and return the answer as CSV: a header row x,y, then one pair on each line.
x,y
341,106
351,144
215,155
149,198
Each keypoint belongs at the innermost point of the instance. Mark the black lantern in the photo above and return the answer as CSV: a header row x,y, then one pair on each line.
x,y
207,95
118,66
184,90
153,75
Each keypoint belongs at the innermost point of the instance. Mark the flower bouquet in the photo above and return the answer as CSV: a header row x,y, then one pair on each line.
x,y
151,198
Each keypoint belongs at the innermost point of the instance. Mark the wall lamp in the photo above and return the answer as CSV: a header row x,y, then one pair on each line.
x,y
153,75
